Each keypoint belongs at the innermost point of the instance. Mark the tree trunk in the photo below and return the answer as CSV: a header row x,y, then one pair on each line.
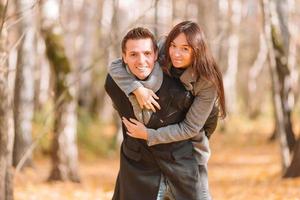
x,y
280,37
101,58
174,13
254,71
64,149
275,53
6,185
43,77
186,15
6,137
294,169
233,52
85,54
156,23
115,32
24,86
207,18
221,49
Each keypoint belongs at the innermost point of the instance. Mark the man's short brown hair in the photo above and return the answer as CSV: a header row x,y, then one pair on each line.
x,y
136,34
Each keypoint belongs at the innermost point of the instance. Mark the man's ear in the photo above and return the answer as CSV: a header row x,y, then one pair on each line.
x,y
156,55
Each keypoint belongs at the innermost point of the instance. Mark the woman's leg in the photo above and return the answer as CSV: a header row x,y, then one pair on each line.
x,y
164,192
205,195
162,189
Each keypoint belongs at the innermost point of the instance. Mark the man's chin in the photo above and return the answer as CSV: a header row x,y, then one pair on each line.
x,y
143,76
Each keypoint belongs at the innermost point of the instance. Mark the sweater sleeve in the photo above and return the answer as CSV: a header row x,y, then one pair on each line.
x,y
194,121
126,81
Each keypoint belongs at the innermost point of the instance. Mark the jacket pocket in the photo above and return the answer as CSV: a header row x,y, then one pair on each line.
x,y
186,150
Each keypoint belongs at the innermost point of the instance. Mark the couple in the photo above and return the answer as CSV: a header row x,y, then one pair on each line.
x,y
167,158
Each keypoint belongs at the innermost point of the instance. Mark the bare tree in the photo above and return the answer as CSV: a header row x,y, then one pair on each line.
x,y
24,86
115,31
107,112
6,137
254,71
278,56
42,76
100,58
220,43
64,147
230,77
156,23
207,17
293,169
87,26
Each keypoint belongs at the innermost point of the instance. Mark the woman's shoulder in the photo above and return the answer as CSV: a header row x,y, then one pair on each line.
x,y
202,84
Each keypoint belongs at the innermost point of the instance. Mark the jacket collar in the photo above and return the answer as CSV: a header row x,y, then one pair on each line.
x,y
188,76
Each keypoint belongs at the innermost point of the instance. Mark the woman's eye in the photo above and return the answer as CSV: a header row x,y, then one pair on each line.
x,y
186,49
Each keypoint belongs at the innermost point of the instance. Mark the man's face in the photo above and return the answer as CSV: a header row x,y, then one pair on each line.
x,y
140,57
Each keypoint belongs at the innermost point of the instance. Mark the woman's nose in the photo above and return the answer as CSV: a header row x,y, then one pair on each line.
x,y
177,53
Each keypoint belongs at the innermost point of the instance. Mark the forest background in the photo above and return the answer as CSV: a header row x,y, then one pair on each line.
x,y
59,134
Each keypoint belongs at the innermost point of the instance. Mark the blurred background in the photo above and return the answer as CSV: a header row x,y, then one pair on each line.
x,y
59,134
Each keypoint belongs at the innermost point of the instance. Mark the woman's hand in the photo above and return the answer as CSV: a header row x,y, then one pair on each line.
x,y
135,128
146,98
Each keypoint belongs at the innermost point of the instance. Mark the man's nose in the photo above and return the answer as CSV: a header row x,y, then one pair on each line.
x,y
142,59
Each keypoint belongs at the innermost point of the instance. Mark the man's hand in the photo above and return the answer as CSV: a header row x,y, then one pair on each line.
x,y
135,128
146,98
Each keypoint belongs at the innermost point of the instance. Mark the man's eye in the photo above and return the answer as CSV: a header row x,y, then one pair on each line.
x,y
147,53
186,49
133,55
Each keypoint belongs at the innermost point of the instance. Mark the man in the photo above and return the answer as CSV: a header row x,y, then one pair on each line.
x,y
141,166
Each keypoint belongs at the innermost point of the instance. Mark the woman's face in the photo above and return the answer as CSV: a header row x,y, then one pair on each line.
x,y
180,52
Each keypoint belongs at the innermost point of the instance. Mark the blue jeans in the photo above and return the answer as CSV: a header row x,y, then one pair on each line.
x,y
203,177
164,192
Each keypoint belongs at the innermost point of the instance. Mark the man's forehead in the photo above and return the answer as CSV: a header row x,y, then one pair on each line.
x,y
139,45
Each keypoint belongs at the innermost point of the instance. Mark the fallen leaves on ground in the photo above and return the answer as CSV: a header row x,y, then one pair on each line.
x,y
243,166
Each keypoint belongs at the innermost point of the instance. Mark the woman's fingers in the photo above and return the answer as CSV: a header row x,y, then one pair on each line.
x,y
135,128
151,103
128,133
155,103
134,121
130,126
154,95
127,123
150,106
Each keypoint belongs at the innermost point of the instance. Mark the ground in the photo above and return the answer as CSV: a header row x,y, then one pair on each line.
x,y
243,166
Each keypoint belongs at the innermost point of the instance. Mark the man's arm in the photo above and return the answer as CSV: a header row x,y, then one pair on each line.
x,y
118,97
192,124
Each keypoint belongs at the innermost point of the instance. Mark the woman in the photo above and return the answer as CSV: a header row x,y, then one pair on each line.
x,y
187,58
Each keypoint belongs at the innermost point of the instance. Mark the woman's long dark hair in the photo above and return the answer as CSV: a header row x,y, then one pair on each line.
x,y
203,62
